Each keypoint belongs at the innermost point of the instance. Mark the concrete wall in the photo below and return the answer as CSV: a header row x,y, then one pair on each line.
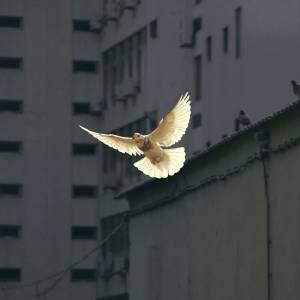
x,y
212,242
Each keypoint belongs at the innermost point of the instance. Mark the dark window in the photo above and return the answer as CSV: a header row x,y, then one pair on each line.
x,y
105,75
198,77
83,275
115,297
81,108
118,243
84,191
130,57
10,22
225,39
81,25
197,25
153,29
10,274
238,37
10,146
197,120
84,232
10,189
10,62
209,48
84,149
84,66
12,231
11,105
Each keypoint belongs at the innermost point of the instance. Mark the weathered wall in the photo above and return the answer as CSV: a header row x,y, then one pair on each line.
x,y
212,242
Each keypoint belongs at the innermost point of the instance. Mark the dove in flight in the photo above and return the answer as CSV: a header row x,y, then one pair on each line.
x,y
159,162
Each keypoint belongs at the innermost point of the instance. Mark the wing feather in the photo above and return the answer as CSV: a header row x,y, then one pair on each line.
x,y
173,126
120,143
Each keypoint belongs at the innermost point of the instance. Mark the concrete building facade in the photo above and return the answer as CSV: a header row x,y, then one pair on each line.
x,y
227,226
49,172
115,66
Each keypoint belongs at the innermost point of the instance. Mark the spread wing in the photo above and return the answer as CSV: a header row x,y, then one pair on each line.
x,y
120,143
173,126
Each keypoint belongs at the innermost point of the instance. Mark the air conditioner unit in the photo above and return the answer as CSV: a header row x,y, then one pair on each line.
x,y
186,32
131,4
97,107
114,12
129,88
119,93
95,25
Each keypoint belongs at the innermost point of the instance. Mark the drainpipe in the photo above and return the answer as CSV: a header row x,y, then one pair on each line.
x,y
263,138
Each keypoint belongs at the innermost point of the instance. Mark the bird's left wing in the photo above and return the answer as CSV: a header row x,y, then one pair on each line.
x,y
120,143
173,126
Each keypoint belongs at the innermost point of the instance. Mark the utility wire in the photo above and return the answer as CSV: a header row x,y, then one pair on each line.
x,y
58,276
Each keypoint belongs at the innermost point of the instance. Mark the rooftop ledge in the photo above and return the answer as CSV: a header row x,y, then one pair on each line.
x,y
253,127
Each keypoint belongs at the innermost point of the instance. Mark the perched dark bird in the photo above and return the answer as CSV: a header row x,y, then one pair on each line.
x,y
243,119
208,144
296,88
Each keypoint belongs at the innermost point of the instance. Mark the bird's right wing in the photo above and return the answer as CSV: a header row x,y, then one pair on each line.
x,y
120,143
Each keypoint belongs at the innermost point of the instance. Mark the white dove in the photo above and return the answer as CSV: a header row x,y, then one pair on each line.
x,y
158,162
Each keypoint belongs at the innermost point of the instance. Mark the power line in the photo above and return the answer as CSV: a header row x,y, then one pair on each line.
x,y
58,276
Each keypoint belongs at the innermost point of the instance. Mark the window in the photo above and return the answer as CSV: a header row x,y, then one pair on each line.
x,y
11,105
81,25
209,48
84,149
153,29
121,66
84,66
10,146
10,62
238,37
197,25
84,191
119,243
12,231
11,22
10,189
198,77
130,57
106,75
225,39
197,121
81,108
84,232
83,275
10,274
122,62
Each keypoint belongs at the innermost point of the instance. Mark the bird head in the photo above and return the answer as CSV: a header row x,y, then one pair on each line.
x,y
137,136
293,82
242,113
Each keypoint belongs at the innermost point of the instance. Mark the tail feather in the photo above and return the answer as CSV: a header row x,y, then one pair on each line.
x,y
171,164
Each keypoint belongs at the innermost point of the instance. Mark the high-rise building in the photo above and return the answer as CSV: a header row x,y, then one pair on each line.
x,y
49,72
115,66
